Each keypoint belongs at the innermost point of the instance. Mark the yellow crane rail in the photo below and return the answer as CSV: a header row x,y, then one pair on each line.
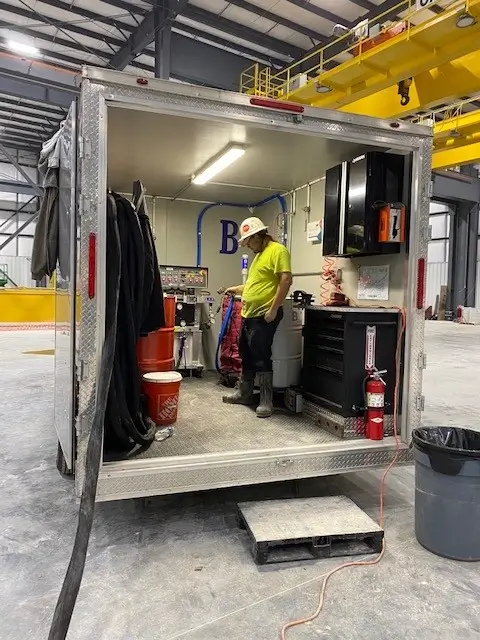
x,y
398,51
456,137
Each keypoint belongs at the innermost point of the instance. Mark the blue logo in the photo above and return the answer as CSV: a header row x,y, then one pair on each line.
x,y
229,240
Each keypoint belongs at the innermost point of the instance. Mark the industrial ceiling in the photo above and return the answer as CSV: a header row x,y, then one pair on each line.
x,y
212,41
206,42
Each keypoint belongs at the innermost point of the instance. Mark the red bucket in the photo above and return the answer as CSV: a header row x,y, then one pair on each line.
x,y
169,306
161,389
155,351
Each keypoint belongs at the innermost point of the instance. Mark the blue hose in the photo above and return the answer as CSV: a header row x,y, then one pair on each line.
x,y
202,213
223,331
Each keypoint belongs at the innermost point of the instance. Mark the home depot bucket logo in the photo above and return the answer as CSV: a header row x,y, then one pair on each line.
x,y
167,407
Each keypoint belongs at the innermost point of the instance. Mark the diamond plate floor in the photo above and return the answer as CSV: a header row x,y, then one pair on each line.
x,y
206,425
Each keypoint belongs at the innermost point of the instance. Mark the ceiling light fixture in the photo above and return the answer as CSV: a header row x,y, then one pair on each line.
x,y
465,20
322,88
23,49
219,163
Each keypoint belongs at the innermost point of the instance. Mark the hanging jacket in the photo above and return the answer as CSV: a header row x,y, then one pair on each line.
x,y
45,241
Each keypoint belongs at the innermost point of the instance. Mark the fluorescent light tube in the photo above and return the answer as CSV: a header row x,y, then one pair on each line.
x,y
22,48
227,158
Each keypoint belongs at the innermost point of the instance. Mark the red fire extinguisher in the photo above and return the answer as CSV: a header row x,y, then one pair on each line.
x,y
374,405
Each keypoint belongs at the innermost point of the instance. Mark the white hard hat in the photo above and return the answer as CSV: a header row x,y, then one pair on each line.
x,y
249,227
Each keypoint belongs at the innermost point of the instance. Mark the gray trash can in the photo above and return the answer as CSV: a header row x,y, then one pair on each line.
x,y
447,491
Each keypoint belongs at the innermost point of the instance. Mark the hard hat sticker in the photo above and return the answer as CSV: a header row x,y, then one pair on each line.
x,y
245,228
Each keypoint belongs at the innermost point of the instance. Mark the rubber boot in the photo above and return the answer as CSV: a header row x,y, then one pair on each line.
x,y
265,408
243,393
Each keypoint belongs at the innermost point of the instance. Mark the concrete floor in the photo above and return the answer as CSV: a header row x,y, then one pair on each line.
x,y
178,567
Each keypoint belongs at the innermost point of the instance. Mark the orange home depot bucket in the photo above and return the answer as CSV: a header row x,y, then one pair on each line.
x,y
161,389
155,351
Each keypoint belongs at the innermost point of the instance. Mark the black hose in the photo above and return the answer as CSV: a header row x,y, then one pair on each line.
x,y
73,578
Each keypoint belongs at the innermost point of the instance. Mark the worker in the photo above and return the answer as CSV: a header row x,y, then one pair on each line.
x,y
268,282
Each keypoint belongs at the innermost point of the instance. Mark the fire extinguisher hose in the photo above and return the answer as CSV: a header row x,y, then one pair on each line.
x,y
363,563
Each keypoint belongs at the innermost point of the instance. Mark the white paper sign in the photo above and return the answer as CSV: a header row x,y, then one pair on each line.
x,y
373,283
314,231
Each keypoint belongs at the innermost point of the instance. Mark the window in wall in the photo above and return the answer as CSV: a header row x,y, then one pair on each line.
x,y
439,226
437,251
25,244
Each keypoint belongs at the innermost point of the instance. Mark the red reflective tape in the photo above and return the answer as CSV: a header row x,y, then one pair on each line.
x,y
280,105
421,283
92,264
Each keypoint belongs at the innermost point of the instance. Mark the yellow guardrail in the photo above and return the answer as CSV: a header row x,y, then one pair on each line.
x,y
261,81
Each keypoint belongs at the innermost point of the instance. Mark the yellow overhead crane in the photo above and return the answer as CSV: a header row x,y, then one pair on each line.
x,y
386,69
456,137
444,84
379,55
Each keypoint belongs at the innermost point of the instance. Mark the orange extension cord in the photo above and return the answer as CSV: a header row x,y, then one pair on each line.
x,y
328,276
363,563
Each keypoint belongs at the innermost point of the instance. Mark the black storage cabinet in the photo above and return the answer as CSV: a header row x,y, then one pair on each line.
x,y
334,356
351,223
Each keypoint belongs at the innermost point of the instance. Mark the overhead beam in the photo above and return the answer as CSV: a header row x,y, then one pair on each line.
x,y
444,84
145,33
449,185
227,44
6,119
269,15
23,79
125,28
30,120
240,31
16,186
324,13
48,111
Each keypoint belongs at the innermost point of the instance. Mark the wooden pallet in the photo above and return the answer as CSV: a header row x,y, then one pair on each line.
x,y
308,528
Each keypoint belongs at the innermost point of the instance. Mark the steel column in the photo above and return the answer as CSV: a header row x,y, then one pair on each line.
x,y
163,40
472,257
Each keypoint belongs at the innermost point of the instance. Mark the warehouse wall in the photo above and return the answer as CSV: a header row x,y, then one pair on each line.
x,y
176,242
307,257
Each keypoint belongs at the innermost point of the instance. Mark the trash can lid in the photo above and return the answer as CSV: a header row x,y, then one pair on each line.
x,y
463,442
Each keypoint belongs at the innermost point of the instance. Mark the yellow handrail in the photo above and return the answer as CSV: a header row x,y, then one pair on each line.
x,y
279,84
454,110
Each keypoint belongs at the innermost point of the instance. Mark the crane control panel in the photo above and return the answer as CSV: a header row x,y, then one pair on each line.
x,y
177,277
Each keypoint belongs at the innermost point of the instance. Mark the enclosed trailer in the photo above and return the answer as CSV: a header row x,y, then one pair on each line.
x,y
125,128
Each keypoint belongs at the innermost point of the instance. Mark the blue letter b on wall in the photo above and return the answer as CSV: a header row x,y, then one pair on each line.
x,y
229,241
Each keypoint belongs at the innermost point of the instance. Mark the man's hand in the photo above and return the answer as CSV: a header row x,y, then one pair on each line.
x,y
271,315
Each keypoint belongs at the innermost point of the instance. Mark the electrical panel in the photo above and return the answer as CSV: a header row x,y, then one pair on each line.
x,y
178,277
352,190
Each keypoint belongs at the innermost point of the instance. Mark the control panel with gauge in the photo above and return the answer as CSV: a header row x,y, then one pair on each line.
x,y
177,277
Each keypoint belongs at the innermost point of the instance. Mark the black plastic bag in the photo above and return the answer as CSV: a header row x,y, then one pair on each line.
x,y
455,440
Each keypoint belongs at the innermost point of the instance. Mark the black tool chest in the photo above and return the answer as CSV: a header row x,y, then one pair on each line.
x,y
334,355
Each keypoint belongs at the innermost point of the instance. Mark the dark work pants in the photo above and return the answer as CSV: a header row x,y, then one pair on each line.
x,y
255,344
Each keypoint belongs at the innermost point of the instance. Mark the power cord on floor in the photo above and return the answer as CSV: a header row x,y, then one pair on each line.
x,y
364,563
